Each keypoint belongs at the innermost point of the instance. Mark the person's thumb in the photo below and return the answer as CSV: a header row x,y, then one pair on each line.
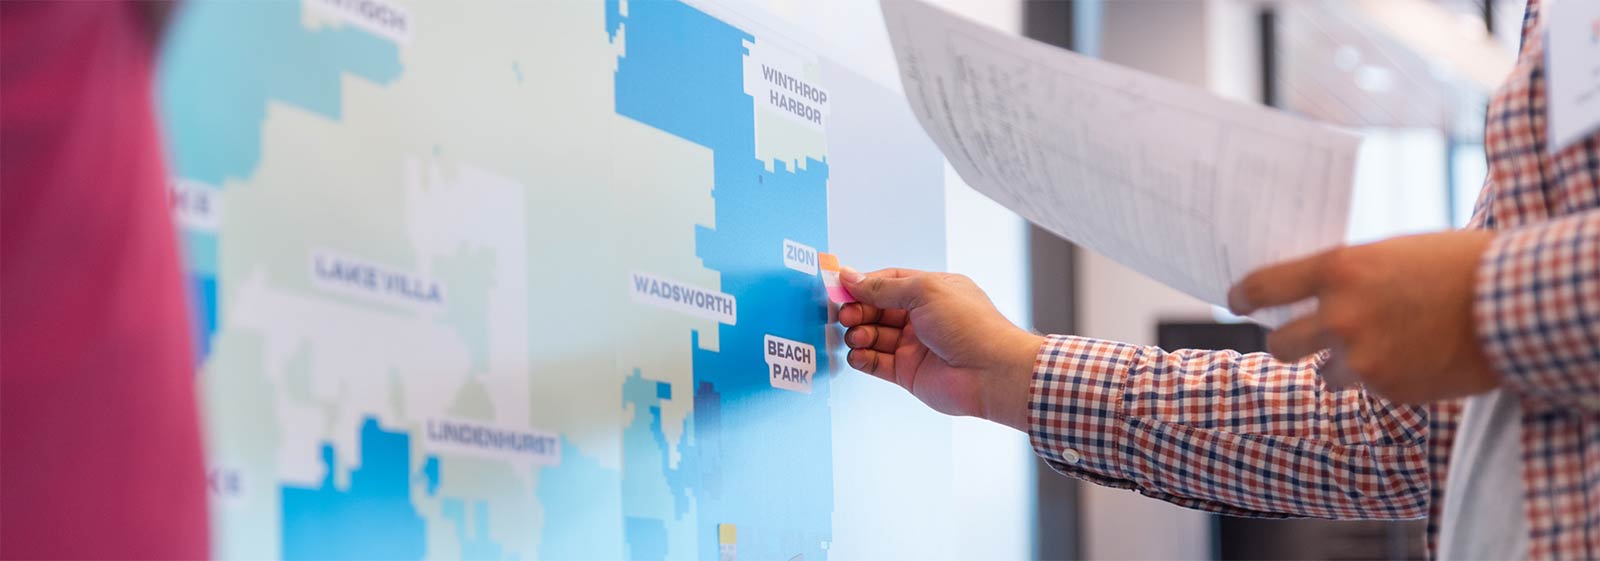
x,y
884,291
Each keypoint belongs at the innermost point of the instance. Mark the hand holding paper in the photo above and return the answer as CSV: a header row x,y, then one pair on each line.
x,y
1397,314
1178,184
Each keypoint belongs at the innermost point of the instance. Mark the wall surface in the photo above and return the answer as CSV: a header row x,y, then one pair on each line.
x,y
989,243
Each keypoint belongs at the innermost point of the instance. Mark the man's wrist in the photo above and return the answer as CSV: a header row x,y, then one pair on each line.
x,y
1009,388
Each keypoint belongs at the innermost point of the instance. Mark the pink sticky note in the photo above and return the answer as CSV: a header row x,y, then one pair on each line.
x,y
830,279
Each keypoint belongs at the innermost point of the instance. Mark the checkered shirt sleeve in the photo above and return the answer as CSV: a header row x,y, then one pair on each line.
x,y
1220,431
1538,311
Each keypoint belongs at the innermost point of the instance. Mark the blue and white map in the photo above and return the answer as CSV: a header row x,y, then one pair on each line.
x,y
515,280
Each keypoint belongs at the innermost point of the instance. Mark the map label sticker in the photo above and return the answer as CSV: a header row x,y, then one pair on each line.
x,y
676,296
196,205
800,257
478,439
782,81
790,363
830,279
377,16
226,485
727,542
334,272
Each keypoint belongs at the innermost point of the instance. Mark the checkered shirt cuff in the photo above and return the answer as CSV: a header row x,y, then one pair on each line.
x,y
1537,310
1074,412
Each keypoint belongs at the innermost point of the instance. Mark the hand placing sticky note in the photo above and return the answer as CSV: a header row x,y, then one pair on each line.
x,y
830,279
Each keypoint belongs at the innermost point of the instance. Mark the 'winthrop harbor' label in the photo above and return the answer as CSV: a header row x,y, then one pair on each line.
x,y
778,80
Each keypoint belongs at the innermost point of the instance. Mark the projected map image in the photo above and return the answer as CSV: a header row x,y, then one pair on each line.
x,y
460,298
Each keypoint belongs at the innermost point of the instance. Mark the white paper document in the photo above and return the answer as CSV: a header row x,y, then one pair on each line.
x,y
1183,186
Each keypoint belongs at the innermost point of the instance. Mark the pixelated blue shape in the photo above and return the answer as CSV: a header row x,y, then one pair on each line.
x,y
373,519
683,73
200,251
645,450
430,473
203,295
647,539
475,545
224,61
613,17
200,256
583,500
663,390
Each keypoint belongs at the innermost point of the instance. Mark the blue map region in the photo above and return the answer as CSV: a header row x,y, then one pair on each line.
x,y
203,291
654,490
761,458
647,539
587,497
222,63
645,449
373,519
430,474
225,60
475,545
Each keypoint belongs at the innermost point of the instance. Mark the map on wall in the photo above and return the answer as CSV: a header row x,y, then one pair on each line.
x,y
506,280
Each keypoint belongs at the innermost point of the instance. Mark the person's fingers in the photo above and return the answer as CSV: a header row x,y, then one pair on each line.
x,y
1297,339
857,313
850,314
895,318
894,273
872,362
1276,285
876,337
888,288
1335,374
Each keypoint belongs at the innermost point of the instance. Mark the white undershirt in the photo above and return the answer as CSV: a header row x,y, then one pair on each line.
x,y
1483,515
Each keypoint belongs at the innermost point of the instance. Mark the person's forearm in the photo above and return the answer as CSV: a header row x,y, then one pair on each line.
x,y
1005,399
1209,429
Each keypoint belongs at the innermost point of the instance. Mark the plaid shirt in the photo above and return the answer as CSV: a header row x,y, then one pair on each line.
x,y
1248,435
